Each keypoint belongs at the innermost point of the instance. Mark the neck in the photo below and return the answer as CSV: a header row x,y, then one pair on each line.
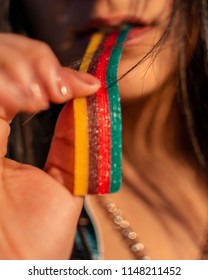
x,y
157,164
153,126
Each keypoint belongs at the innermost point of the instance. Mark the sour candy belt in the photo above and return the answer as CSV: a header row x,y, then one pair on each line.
x,y
97,119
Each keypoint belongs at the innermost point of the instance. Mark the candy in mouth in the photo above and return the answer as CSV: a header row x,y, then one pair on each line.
x,y
97,119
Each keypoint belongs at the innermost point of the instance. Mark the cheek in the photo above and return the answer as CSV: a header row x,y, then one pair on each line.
x,y
150,75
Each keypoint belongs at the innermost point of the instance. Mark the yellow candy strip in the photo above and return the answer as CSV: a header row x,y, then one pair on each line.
x,y
81,126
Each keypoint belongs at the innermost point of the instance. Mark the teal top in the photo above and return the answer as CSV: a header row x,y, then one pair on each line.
x,y
86,246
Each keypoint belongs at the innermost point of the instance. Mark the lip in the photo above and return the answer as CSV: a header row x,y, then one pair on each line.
x,y
114,22
137,34
139,30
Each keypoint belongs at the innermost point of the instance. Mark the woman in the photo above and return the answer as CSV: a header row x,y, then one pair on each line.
x,y
164,108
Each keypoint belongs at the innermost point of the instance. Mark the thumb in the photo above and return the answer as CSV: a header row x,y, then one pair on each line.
x,y
74,84
60,161
5,119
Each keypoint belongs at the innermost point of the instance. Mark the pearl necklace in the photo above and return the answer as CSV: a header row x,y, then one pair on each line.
x,y
205,250
122,226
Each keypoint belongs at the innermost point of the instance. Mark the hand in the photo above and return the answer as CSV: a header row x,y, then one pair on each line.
x,y
31,76
38,214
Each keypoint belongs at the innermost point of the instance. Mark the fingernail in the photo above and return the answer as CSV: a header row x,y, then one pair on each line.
x,y
84,79
38,96
27,99
87,79
63,87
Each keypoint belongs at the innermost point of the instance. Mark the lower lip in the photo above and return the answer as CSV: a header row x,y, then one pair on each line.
x,y
136,35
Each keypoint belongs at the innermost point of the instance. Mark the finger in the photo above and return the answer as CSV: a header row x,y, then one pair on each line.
x,y
22,58
45,73
61,83
14,98
77,84
17,41
18,84
30,213
60,161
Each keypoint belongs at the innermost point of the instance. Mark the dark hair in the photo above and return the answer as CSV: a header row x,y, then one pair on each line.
x,y
30,143
193,85
194,77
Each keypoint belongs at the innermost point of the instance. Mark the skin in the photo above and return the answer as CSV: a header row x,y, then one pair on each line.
x,y
65,16
155,146
31,209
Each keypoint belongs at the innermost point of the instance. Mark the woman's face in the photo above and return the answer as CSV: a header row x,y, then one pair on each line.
x,y
51,20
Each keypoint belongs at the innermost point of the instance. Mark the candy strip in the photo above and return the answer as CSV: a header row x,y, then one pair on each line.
x,y
93,144
81,128
93,130
115,112
104,162
98,120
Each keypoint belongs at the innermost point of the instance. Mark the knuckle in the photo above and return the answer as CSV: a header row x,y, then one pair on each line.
x,y
42,52
14,57
42,47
